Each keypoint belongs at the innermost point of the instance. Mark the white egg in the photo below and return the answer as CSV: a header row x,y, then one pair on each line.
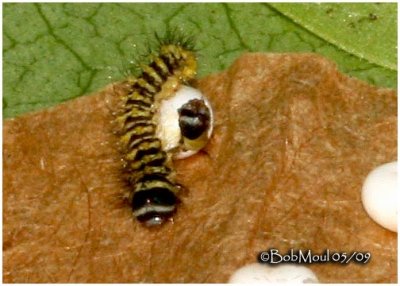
x,y
379,195
284,273
168,120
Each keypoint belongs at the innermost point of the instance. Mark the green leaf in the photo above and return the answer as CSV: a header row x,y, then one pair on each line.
x,y
55,52
366,30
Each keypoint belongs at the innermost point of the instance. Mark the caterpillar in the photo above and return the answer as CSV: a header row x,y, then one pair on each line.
x,y
158,95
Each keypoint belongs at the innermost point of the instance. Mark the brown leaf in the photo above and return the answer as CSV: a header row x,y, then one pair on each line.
x,y
293,142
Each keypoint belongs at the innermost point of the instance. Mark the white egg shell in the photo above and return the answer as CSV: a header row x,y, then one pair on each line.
x,y
379,195
263,273
169,131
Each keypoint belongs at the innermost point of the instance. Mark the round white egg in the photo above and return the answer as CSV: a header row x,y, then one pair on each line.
x,y
169,131
379,195
284,273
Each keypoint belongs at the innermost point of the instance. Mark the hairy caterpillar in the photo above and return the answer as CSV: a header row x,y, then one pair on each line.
x,y
147,152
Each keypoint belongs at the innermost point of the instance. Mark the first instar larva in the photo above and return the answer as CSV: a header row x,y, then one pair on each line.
x,y
147,144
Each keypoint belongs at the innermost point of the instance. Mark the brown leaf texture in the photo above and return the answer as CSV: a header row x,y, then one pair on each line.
x,y
293,141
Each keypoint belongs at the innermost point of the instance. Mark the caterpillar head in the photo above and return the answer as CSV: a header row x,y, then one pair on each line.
x,y
185,122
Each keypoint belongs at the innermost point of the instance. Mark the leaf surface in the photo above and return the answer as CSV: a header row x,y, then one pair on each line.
x,y
367,30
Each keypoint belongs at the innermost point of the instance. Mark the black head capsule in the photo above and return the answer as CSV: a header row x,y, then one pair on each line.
x,y
194,119
154,206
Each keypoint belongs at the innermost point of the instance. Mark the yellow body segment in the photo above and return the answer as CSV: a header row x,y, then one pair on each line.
x,y
139,97
143,147
136,131
152,73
